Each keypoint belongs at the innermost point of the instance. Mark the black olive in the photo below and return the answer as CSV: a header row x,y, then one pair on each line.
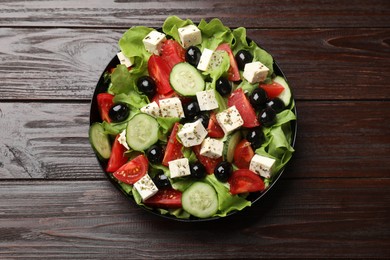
x,y
198,171
147,86
119,112
267,117
223,86
204,119
277,104
243,57
223,171
161,180
256,137
258,98
193,55
155,154
191,109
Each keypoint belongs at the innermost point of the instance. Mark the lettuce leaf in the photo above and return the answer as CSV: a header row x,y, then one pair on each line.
x,y
131,42
226,202
278,141
259,54
135,100
172,24
214,33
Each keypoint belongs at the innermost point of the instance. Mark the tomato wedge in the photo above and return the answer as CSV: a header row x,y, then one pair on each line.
x,y
105,102
248,114
243,154
214,129
173,149
233,73
132,171
273,89
244,180
209,163
159,70
117,158
172,53
165,198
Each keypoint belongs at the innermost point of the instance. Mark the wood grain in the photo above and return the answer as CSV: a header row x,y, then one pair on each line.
x,y
50,141
252,13
321,64
300,218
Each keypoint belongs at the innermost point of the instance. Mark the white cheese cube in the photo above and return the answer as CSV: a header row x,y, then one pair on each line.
x,y
171,107
205,59
255,72
211,148
151,109
229,119
179,168
206,100
190,35
122,139
124,60
262,165
145,187
192,134
153,42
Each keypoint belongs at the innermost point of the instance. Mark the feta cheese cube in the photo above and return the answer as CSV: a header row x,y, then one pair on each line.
x,y
179,168
153,42
255,72
124,60
122,139
151,109
262,165
192,134
211,148
206,100
205,59
171,107
229,119
190,35
145,187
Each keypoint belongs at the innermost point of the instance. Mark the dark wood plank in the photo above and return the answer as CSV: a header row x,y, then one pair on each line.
x,y
50,140
345,218
63,64
252,13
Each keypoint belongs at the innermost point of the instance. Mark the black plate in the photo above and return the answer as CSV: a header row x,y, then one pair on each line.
x,y
95,117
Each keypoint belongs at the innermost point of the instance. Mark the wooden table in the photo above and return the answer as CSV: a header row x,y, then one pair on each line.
x,y
333,201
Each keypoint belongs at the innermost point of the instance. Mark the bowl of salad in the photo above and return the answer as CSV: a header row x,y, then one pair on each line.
x,y
192,121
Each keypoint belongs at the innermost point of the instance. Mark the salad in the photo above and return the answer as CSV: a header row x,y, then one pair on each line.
x,y
194,123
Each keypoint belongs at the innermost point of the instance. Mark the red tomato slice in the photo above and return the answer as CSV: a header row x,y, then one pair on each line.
x,y
117,158
244,180
233,73
105,102
243,154
132,171
273,89
214,129
165,198
172,53
248,114
173,149
209,163
159,70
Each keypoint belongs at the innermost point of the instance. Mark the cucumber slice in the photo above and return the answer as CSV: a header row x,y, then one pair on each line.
x,y
219,59
200,200
141,132
100,141
285,96
186,79
230,144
